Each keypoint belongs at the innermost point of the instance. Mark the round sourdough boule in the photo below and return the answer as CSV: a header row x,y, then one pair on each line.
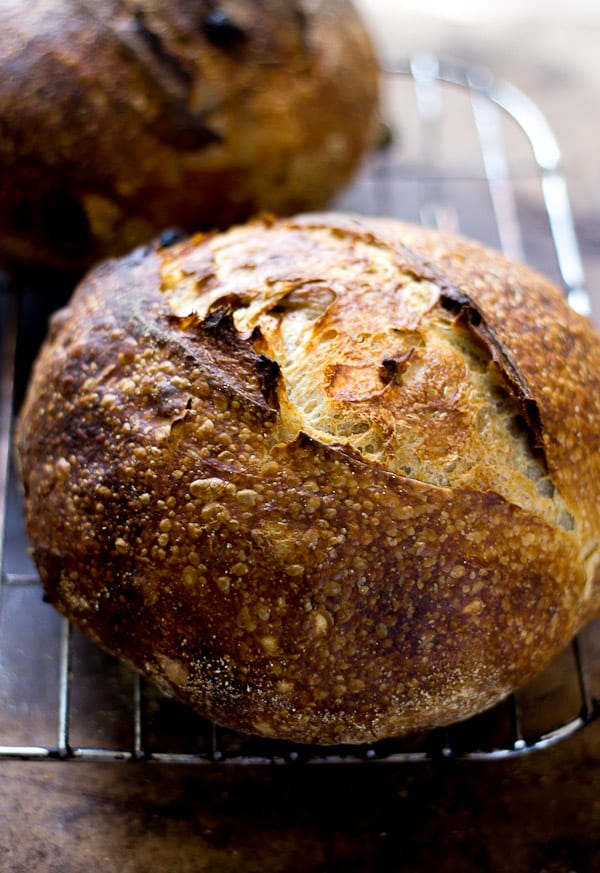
x,y
327,478
120,118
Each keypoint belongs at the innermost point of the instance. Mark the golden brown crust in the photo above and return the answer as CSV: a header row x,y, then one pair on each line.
x,y
121,118
194,507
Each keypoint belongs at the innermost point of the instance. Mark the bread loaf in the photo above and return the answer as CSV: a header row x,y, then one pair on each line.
x,y
327,478
122,118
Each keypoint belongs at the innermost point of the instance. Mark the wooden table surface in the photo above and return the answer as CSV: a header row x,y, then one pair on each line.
x,y
537,814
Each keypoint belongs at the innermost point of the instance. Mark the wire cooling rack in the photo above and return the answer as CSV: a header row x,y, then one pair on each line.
x,y
464,153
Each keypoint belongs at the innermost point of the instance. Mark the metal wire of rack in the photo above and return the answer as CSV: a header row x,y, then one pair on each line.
x,y
61,698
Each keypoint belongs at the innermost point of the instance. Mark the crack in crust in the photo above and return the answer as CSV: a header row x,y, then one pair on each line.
x,y
468,315
425,387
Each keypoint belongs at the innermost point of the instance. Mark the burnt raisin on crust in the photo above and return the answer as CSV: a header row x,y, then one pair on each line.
x,y
328,479
223,30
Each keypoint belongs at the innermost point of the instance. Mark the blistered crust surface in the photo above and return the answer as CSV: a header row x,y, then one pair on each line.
x,y
193,513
